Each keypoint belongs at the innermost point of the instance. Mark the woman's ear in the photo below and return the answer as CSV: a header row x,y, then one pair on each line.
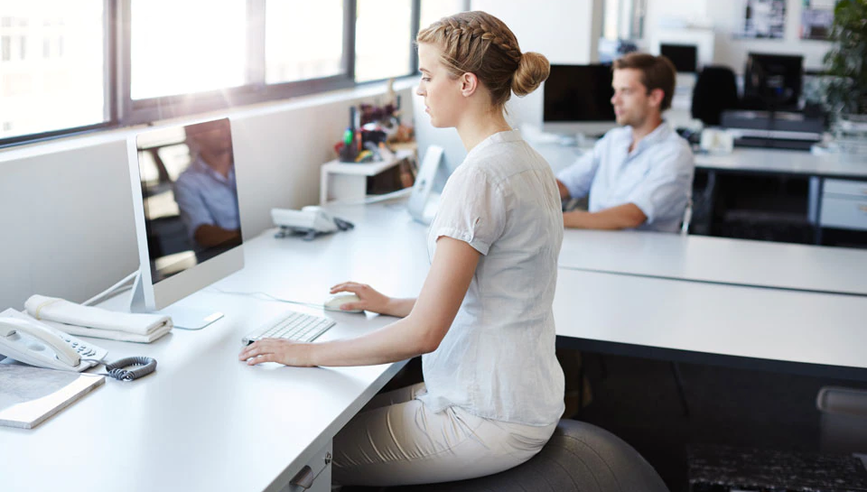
x,y
469,84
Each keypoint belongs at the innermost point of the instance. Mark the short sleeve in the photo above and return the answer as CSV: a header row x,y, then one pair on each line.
x,y
578,177
472,209
194,211
665,191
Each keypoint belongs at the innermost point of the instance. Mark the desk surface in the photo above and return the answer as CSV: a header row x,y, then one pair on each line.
x,y
204,420
770,324
765,161
717,260
777,161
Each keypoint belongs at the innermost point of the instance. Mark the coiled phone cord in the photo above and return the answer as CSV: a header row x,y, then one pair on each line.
x,y
117,369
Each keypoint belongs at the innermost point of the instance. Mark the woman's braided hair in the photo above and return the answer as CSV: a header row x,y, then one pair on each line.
x,y
480,43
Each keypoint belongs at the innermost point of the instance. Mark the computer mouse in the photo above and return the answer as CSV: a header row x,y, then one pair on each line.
x,y
334,303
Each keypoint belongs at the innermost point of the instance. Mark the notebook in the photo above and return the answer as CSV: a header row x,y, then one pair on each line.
x,y
29,395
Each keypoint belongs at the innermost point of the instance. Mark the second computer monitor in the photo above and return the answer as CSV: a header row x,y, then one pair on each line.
x,y
185,200
577,99
773,81
683,56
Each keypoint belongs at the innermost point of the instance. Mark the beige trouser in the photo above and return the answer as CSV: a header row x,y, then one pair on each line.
x,y
396,440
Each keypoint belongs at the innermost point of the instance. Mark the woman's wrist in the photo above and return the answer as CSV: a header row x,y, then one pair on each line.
x,y
309,351
390,307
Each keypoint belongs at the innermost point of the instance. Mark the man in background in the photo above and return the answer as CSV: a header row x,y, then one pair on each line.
x,y
638,176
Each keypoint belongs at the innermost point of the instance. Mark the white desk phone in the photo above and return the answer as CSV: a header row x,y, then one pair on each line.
x,y
310,221
26,340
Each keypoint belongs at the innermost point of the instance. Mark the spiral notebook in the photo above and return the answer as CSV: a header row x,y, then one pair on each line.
x,y
30,395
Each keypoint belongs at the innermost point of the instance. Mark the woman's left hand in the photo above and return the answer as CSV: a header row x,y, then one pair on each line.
x,y
277,350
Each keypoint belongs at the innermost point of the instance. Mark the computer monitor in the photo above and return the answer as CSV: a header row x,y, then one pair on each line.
x,y
772,81
683,56
185,201
577,99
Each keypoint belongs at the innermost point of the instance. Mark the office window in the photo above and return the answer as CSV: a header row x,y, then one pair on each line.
x,y
382,39
303,40
186,47
623,19
172,58
39,96
434,10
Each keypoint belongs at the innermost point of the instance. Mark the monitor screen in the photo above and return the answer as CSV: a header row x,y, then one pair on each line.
x,y
189,195
773,81
683,56
578,93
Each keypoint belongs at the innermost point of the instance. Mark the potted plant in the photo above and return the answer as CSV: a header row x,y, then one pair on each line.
x,y
846,84
846,61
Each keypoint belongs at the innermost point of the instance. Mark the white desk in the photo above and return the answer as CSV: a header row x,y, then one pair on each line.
x,y
717,260
204,420
740,160
777,161
712,319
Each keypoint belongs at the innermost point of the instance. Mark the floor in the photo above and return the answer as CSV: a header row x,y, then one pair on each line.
x,y
637,400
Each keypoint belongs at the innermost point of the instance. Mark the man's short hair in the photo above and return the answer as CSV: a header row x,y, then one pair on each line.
x,y
657,72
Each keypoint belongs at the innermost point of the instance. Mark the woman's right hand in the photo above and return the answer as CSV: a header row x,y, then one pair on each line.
x,y
369,298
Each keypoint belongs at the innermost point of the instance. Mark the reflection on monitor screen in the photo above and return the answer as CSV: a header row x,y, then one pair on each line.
x,y
187,216
190,195
772,81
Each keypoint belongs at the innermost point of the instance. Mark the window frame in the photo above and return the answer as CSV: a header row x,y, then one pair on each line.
x,y
121,111
109,110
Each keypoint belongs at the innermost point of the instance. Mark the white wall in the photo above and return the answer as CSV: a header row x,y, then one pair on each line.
x,y
726,18
565,31
66,220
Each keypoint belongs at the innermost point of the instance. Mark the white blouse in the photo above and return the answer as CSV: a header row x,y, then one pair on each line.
x,y
497,360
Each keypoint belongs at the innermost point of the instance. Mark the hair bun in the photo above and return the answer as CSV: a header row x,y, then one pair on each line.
x,y
533,69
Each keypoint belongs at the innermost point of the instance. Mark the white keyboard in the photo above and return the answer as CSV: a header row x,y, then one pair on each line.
x,y
293,326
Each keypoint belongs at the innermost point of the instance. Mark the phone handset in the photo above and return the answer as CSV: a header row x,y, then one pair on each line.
x,y
31,349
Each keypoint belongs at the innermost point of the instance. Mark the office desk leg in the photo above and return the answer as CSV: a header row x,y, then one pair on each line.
x,y
678,379
814,207
316,475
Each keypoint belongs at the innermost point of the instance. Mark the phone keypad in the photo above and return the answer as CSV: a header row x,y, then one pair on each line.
x,y
82,349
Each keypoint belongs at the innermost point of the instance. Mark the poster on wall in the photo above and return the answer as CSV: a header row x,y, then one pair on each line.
x,y
816,18
764,19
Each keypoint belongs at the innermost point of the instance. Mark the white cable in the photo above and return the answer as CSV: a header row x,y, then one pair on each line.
x,y
260,293
110,290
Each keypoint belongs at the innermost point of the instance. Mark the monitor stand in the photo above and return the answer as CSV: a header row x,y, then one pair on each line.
x,y
182,318
190,319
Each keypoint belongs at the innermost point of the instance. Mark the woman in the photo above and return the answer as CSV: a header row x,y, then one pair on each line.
x,y
493,391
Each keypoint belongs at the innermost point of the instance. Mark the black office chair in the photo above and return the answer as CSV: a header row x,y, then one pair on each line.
x,y
714,92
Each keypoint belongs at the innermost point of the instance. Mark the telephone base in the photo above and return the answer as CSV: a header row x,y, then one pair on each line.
x,y
308,234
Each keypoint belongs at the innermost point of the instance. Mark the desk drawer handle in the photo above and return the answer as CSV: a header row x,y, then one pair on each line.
x,y
306,477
